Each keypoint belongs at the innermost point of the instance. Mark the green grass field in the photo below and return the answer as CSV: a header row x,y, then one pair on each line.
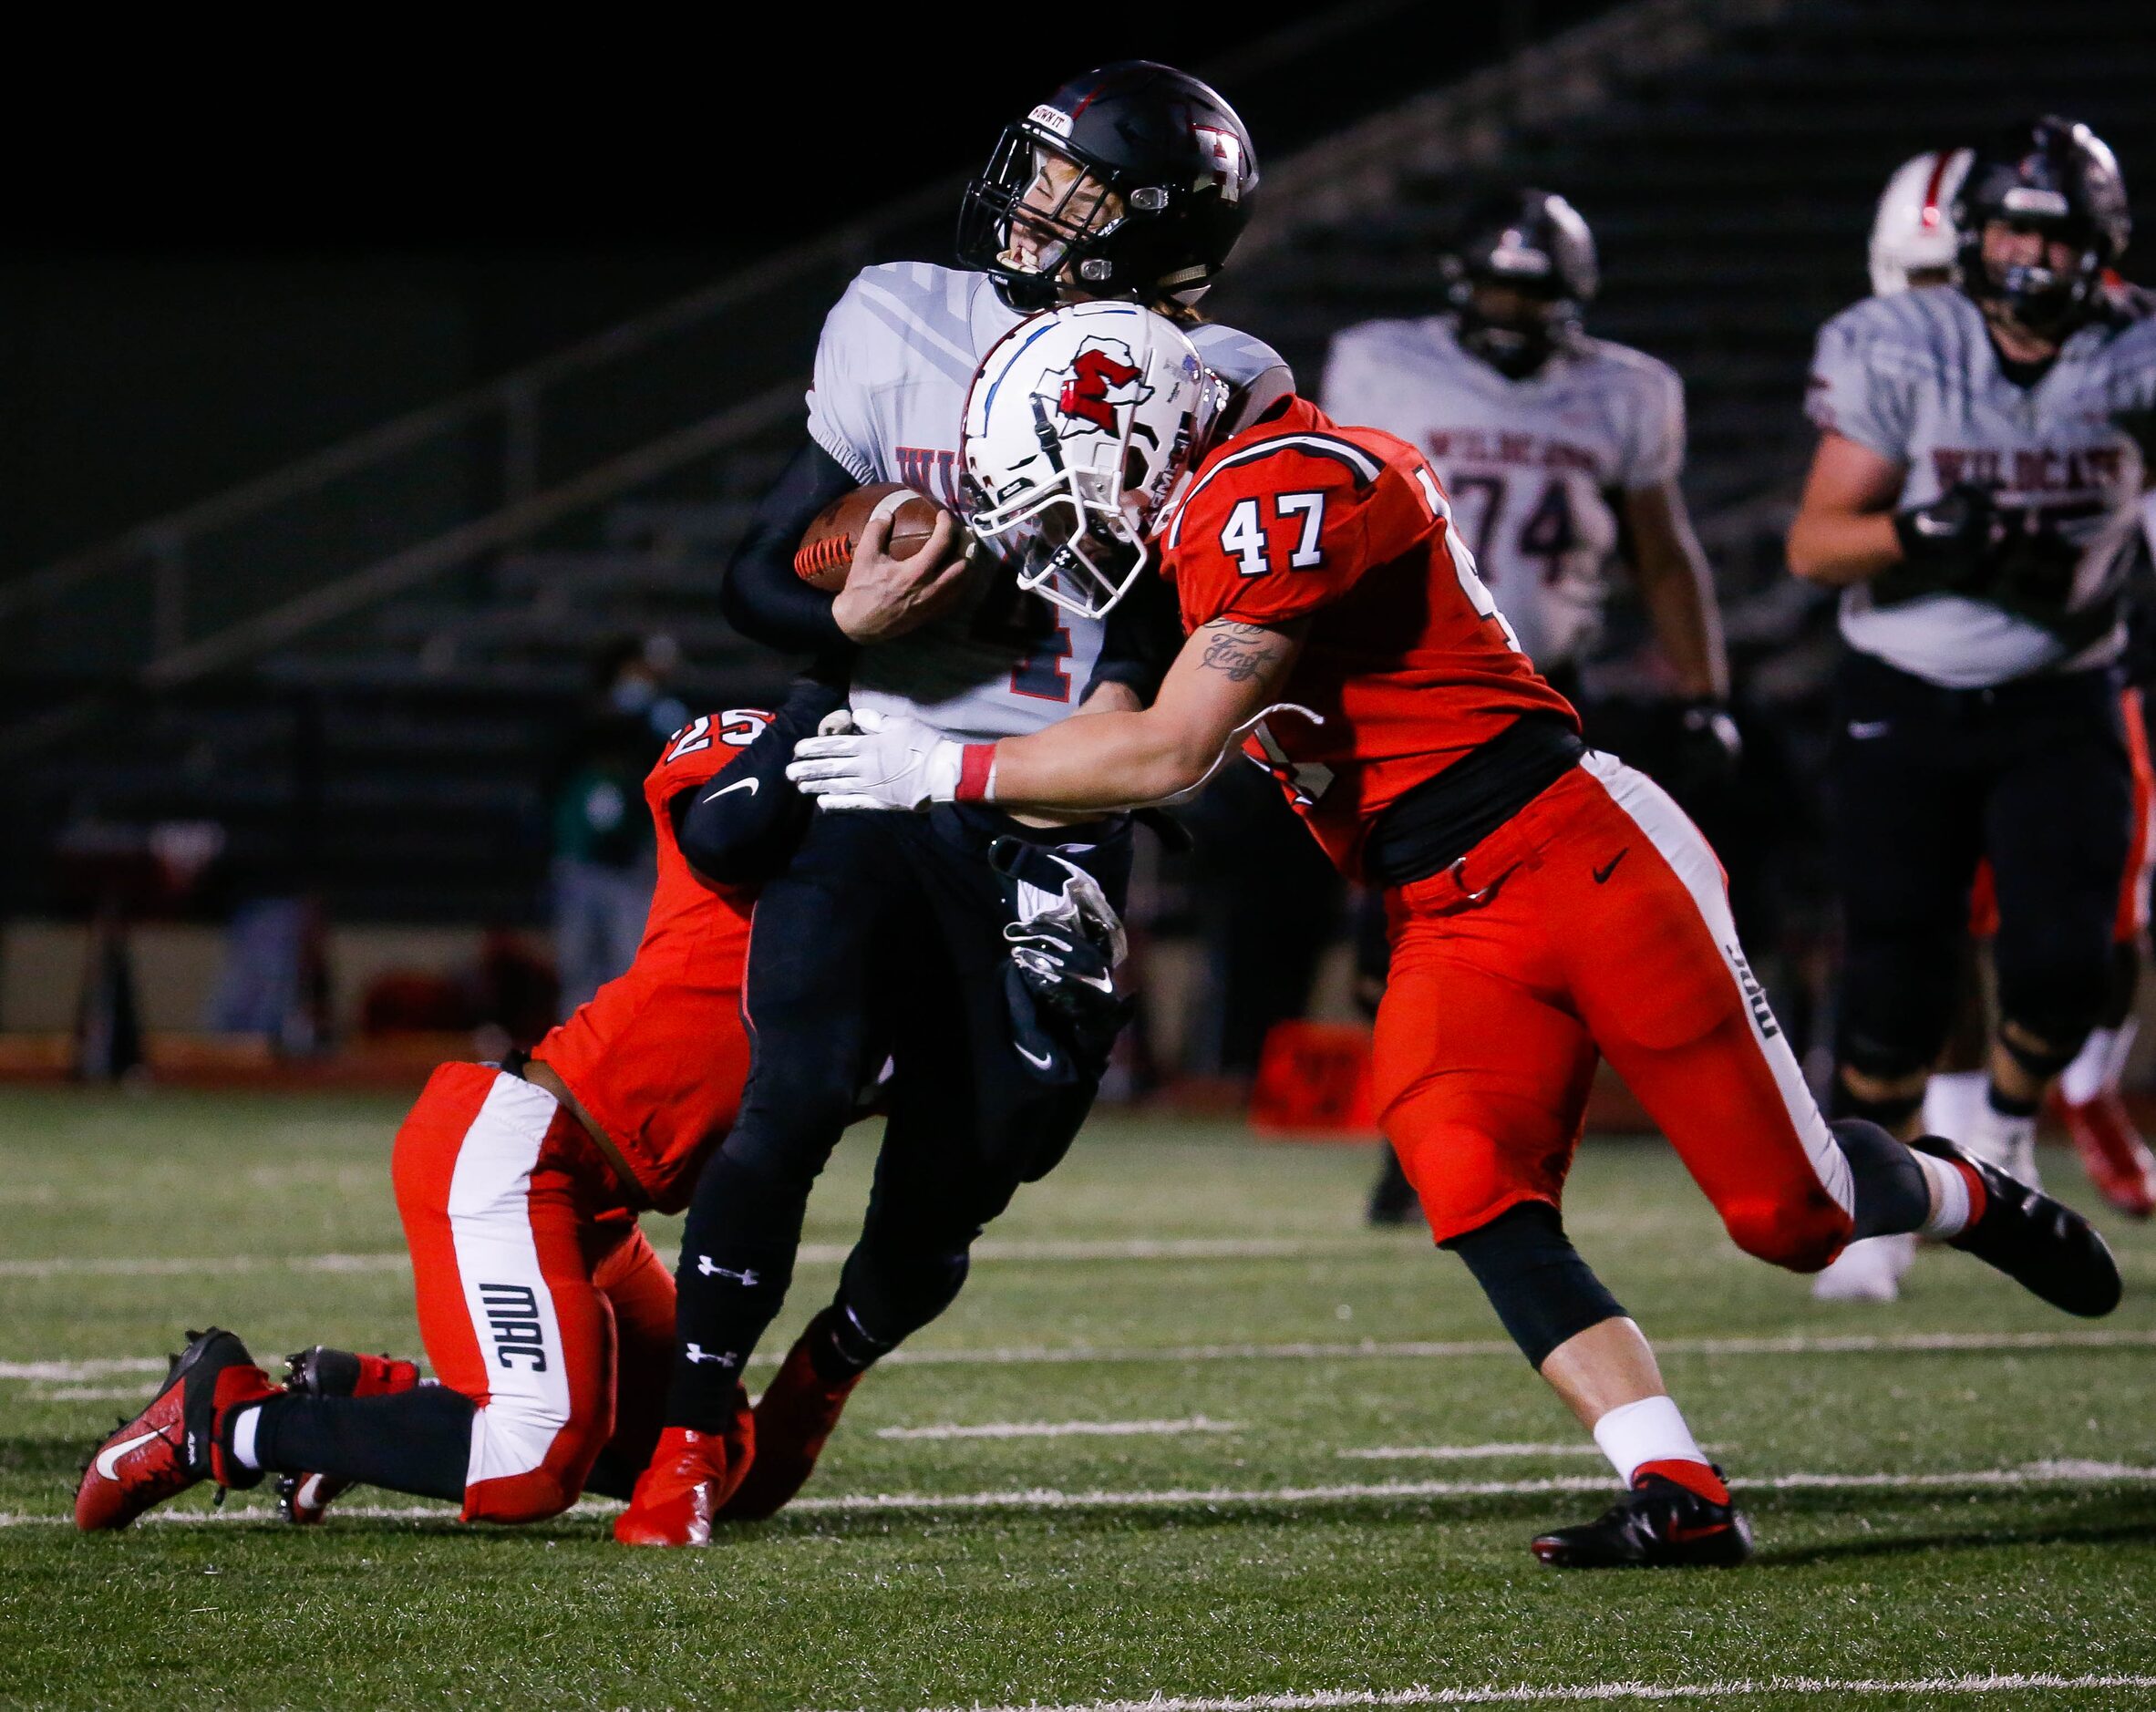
x,y
1928,1514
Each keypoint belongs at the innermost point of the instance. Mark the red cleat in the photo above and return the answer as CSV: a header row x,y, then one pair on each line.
x,y
793,1417
691,1476
2112,1152
322,1371
174,1443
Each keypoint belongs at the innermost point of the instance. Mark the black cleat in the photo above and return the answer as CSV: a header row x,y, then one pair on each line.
x,y
2044,1246
1657,1525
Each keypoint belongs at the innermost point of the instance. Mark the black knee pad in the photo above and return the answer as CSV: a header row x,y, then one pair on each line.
x,y
1891,1113
2055,989
891,1291
1889,1184
2062,1045
1898,993
1541,1289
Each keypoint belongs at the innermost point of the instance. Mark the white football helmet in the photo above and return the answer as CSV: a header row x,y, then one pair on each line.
x,y
1082,425
1913,232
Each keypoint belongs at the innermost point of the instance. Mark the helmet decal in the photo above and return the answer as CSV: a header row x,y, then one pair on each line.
x,y
1100,383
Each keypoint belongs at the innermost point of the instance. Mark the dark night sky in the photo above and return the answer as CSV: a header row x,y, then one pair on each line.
x,y
757,127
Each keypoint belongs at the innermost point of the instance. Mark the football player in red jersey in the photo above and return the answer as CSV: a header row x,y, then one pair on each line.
x,y
547,1317
1546,903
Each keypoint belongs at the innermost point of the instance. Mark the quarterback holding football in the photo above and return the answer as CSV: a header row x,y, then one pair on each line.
x,y
1546,903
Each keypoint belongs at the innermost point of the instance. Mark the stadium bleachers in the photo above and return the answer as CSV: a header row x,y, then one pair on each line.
x,y
1727,155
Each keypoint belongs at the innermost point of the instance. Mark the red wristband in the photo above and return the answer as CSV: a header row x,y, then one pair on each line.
x,y
976,772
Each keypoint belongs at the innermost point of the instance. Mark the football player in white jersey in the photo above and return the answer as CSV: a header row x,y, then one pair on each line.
x,y
1562,454
1975,494
1914,244
886,934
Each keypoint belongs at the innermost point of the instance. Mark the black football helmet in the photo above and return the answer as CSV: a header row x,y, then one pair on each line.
x,y
2055,176
1176,157
1532,243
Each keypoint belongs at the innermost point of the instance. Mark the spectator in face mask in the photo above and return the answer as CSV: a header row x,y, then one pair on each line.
x,y
602,851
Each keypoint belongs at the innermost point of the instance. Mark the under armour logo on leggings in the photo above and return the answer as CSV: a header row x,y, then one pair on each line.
x,y
719,1357
745,1277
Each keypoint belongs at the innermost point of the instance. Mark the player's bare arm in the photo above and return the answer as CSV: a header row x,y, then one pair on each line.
x,y
1844,529
1227,674
1678,588
885,597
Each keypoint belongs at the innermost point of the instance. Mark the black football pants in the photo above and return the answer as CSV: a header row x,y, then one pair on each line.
x,y
883,936
2033,776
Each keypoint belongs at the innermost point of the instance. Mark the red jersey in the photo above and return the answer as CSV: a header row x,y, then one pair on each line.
x,y
658,1057
1407,665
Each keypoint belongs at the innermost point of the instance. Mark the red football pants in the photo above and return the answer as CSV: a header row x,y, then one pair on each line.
x,y
538,1297
1597,919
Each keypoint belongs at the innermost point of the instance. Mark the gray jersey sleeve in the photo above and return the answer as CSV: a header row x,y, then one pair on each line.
x,y
840,418
1860,387
1257,371
1653,441
1356,385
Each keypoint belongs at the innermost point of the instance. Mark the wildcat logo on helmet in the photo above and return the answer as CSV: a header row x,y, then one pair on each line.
x,y
1101,383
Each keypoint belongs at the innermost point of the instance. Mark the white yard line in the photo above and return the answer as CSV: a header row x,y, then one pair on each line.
x,y
64,1372
2034,1474
1560,1694
1466,1453
154,1266
1785,1343
1068,1429
991,1249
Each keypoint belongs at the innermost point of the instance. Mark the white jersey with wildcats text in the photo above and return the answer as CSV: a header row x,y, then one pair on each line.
x,y
897,355
1533,467
1916,378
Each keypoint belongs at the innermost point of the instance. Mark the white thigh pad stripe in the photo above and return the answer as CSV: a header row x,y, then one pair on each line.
x,y
1690,858
505,1293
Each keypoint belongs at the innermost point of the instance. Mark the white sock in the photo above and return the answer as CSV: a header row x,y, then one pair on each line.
x,y
2003,1139
2099,1066
1650,1430
1950,1198
1950,1102
243,1426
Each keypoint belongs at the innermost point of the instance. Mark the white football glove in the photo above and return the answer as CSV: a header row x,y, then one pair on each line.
x,y
886,762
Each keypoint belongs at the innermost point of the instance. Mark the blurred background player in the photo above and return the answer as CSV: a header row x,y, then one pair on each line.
x,y
547,1317
1562,455
1913,245
1975,498
1548,904
885,935
603,871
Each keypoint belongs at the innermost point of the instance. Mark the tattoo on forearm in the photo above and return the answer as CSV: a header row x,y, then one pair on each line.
x,y
1242,651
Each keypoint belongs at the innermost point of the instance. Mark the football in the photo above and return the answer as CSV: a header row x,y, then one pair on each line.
x,y
825,552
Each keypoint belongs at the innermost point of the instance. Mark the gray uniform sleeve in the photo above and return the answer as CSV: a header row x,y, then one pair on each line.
x,y
840,418
1654,442
1852,393
1354,388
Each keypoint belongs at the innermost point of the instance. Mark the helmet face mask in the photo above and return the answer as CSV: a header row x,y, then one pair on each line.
x,y
1162,176
1519,279
2050,179
1048,209
1081,428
